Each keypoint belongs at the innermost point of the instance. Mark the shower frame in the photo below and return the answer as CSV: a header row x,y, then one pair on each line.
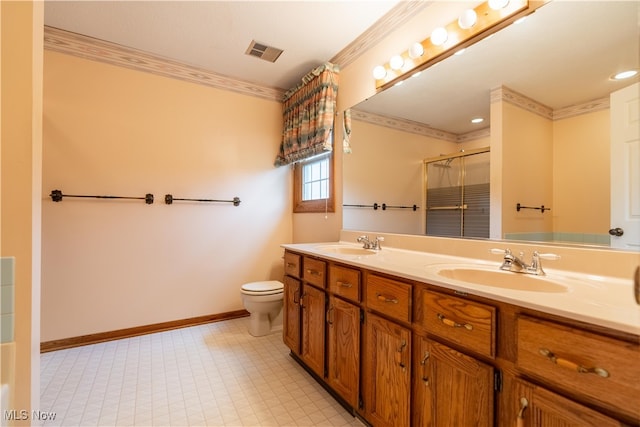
x,y
448,158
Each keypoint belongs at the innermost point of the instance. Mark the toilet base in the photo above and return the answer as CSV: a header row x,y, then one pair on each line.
x,y
260,325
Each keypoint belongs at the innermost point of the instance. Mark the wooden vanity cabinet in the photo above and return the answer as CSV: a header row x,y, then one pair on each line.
x,y
403,353
386,378
449,387
343,333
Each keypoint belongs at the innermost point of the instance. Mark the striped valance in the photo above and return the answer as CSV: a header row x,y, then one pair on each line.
x,y
308,111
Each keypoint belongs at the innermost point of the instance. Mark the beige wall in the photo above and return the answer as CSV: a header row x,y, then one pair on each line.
x,y
524,142
112,264
581,173
21,144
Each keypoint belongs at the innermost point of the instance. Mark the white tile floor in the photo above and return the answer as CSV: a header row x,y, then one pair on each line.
x,y
209,375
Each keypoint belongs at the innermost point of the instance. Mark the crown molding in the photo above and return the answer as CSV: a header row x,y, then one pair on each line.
x,y
397,16
505,94
111,53
583,108
417,128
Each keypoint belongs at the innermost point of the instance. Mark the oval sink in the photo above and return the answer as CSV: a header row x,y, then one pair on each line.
x,y
501,279
345,250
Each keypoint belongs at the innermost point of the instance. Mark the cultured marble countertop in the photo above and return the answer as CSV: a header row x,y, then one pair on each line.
x,y
599,300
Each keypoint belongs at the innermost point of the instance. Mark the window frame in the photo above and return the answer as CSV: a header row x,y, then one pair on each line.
x,y
313,206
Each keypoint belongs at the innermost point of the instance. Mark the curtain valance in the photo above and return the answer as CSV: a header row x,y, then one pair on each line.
x,y
308,113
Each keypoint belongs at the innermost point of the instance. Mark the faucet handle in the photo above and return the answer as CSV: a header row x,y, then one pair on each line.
x,y
553,257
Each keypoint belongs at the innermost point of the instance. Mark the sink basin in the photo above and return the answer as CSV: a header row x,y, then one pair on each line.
x,y
493,277
345,250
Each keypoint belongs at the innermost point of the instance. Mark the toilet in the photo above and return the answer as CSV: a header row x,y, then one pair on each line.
x,y
263,301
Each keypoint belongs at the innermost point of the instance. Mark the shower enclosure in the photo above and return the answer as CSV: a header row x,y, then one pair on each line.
x,y
457,194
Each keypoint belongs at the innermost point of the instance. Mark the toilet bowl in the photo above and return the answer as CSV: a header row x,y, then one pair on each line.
x,y
263,301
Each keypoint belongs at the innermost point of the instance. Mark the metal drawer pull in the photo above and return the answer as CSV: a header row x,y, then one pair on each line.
x,y
399,358
313,272
453,324
345,284
572,365
329,316
386,299
291,265
524,403
423,362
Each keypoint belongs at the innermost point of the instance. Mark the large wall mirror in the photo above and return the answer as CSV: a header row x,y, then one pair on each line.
x,y
542,88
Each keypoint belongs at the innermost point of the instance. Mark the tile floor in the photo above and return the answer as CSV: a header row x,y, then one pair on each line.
x,y
208,375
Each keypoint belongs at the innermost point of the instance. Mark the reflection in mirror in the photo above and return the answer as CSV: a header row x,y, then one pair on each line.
x,y
542,88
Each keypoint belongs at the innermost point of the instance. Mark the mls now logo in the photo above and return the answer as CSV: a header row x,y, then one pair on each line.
x,y
23,415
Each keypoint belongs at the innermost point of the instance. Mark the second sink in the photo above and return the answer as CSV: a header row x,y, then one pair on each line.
x,y
488,276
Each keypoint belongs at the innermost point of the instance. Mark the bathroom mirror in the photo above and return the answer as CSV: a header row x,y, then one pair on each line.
x,y
561,57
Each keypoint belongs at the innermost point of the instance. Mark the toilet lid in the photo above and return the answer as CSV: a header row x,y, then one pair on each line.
x,y
268,286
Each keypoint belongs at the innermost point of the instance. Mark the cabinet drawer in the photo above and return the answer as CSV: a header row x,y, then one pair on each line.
x,y
389,297
345,282
292,264
467,323
583,363
314,271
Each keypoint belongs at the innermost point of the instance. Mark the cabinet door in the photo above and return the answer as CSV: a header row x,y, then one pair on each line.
x,y
387,372
343,329
313,311
291,314
450,388
538,407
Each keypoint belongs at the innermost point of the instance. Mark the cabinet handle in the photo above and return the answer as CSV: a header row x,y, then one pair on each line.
x,y
329,317
386,299
296,297
399,358
313,272
572,365
345,284
453,324
291,265
524,403
423,362
302,300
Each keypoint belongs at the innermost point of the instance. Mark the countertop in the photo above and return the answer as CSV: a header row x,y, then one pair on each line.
x,y
599,300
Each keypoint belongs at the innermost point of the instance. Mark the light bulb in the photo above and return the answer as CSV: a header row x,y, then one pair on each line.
x,y
379,72
416,50
467,19
439,36
396,62
498,4
624,75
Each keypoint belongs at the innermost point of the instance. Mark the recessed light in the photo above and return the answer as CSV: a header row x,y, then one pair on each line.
x,y
627,74
477,120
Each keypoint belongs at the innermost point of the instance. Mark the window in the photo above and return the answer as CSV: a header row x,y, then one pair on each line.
x,y
313,185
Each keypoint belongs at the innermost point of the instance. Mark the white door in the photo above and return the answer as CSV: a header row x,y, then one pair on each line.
x,y
625,168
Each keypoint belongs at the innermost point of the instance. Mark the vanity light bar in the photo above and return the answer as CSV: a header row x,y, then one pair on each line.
x,y
488,20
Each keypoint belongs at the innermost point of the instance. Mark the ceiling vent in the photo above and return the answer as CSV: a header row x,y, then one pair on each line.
x,y
262,51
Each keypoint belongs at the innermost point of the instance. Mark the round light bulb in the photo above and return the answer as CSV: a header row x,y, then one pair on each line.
x,y
396,62
439,36
467,19
498,4
379,72
416,50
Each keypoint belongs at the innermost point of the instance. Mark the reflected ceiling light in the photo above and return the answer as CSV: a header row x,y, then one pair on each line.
x,y
399,83
520,20
477,120
460,52
416,74
396,62
416,50
467,19
439,36
624,75
498,4
379,72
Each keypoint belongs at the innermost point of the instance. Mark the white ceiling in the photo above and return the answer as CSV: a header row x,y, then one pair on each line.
x,y
214,35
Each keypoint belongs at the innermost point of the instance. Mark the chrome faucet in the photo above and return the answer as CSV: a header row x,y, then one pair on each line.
x,y
368,244
516,264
